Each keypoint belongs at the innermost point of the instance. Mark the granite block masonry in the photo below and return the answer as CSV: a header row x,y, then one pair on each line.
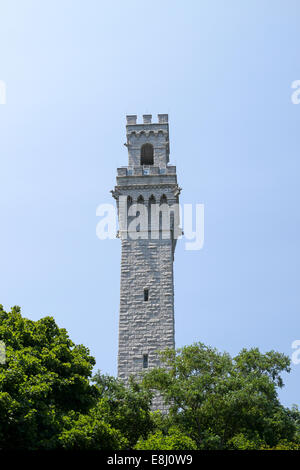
x,y
146,321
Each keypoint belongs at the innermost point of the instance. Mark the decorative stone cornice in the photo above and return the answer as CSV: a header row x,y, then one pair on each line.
x,y
147,186
147,132
138,147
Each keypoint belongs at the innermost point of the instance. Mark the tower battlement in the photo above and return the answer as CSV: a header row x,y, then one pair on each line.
x,y
147,118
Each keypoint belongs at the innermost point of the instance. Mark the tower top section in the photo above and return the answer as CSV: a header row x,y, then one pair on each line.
x,y
148,165
147,119
147,142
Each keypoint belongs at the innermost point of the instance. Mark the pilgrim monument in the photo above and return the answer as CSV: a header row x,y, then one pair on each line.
x,y
146,319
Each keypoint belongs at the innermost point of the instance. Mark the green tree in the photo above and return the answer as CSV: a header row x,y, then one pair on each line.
x,y
126,408
222,402
49,401
90,432
119,418
173,440
44,378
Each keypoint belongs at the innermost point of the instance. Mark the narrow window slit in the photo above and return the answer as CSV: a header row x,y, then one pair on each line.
x,y
145,361
146,295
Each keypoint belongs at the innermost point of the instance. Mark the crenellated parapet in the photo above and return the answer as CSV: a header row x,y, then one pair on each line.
x,y
146,170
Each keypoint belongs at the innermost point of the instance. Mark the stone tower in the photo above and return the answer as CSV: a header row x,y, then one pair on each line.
x,y
146,322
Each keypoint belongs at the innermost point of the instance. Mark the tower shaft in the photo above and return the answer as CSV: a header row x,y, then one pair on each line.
x,y
146,321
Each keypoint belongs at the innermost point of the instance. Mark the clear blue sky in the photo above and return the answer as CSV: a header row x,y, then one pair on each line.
x,y
223,71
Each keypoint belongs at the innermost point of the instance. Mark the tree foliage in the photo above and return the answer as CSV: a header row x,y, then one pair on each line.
x,y
174,439
222,402
126,408
45,376
49,399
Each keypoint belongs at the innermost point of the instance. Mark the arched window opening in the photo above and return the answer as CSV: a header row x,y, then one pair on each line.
x,y
150,210
164,218
147,154
129,204
163,199
172,225
140,200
